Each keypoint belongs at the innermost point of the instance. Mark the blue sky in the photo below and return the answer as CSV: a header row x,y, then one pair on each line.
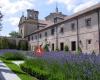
x,y
12,10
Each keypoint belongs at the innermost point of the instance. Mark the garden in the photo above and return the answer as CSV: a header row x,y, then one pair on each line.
x,y
54,66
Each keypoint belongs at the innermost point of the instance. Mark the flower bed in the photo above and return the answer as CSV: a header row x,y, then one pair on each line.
x,y
54,70
38,70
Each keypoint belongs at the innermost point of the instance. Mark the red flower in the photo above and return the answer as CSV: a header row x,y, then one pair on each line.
x,y
39,51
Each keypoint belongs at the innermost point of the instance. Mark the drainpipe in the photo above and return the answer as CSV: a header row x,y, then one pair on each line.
x,y
56,37
77,34
38,33
55,21
98,27
38,39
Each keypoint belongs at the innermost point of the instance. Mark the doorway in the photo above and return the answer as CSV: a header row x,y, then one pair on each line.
x,y
53,47
62,46
73,45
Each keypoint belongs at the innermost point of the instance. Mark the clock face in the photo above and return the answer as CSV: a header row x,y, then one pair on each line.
x,y
30,15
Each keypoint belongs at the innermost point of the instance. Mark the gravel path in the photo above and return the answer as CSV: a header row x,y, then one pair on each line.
x,y
6,73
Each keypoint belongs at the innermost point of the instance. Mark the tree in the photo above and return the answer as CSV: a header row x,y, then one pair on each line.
x,y
22,45
1,16
14,34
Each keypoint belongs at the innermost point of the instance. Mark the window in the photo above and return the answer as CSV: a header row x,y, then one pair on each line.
x,y
55,20
40,35
32,37
52,31
88,22
45,34
21,31
36,17
28,38
35,37
72,26
89,41
61,30
80,41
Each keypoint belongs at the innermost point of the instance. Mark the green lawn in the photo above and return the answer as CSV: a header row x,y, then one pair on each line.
x,y
16,69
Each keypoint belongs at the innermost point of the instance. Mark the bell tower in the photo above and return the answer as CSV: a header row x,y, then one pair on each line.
x,y
32,14
28,24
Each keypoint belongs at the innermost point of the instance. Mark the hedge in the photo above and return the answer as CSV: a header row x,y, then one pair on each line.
x,y
13,56
11,44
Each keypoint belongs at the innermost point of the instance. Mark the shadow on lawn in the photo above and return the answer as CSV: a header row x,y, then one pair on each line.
x,y
7,62
18,72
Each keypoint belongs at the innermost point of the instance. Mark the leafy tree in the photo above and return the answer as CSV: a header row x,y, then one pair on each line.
x,y
14,34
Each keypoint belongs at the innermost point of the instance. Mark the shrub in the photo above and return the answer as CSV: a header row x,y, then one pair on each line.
x,y
12,44
4,43
66,48
7,44
43,70
46,48
56,71
57,49
79,50
35,68
23,45
13,56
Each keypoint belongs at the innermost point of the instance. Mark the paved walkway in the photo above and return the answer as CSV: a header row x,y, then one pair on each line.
x,y
6,73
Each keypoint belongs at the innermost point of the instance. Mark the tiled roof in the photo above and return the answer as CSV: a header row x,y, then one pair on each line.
x,y
47,23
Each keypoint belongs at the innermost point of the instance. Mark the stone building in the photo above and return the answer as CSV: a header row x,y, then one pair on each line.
x,y
81,29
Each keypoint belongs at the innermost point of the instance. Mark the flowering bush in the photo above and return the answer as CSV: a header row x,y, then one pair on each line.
x,y
59,66
35,68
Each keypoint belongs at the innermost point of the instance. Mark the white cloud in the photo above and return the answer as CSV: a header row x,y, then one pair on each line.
x,y
11,10
85,5
14,21
75,5
10,7
70,4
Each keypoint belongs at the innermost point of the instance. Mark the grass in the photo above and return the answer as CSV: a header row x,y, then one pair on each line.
x,y
16,69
